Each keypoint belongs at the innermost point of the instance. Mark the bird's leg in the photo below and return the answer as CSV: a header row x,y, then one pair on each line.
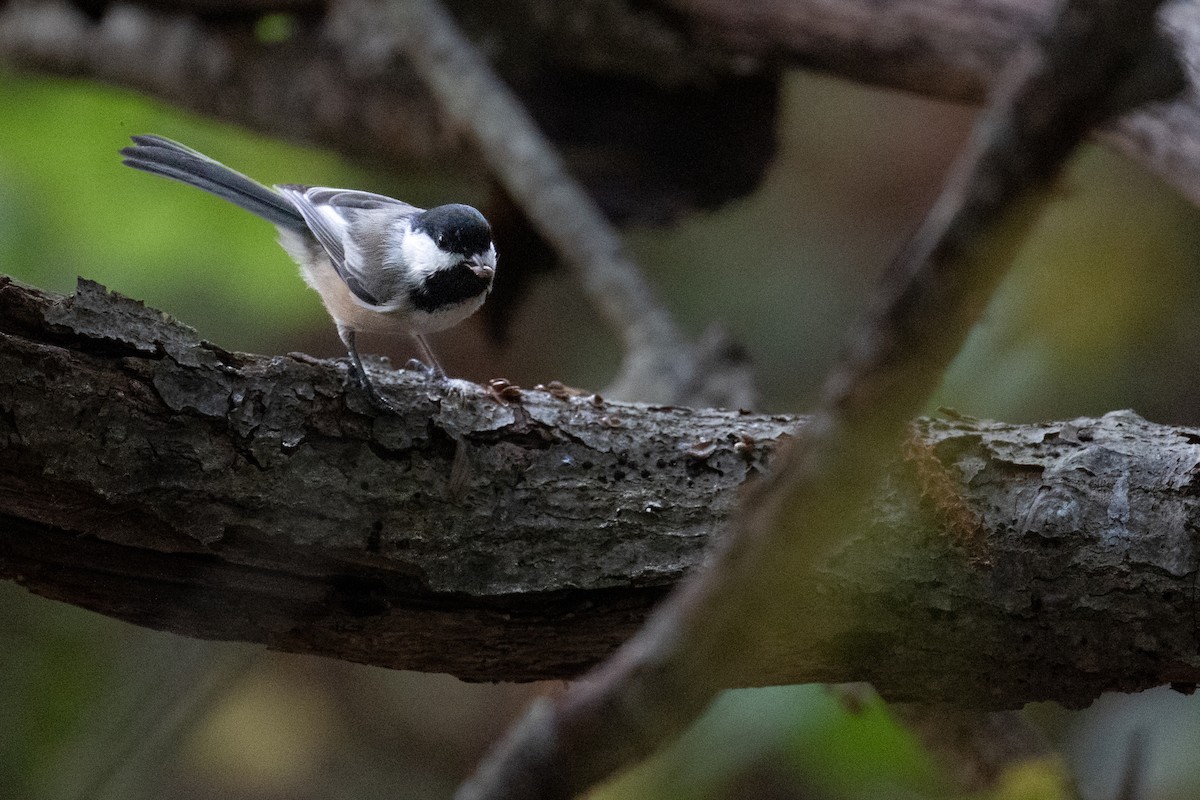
x,y
460,467
434,368
360,373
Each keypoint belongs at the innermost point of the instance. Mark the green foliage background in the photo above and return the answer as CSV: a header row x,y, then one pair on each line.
x,y
1098,314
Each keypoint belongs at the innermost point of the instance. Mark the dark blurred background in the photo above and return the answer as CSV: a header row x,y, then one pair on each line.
x,y
1098,314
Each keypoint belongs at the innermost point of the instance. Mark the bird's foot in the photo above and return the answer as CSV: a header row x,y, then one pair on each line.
x,y
378,401
417,365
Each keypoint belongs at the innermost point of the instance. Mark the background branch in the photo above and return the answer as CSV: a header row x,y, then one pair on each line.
x,y
663,677
204,55
659,364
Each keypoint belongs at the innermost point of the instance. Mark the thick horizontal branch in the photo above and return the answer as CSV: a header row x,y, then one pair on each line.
x,y
156,478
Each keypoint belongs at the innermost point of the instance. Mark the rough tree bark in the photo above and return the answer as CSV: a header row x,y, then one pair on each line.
x,y
228,496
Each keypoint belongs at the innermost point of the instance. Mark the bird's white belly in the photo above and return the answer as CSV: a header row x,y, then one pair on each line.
x,y
349,312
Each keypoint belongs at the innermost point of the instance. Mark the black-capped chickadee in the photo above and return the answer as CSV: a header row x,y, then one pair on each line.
x,y
380,265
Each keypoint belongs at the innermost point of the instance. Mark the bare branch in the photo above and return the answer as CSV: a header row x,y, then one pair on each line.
x,y
477,102
298,89
700,640
253,421
368,87
305,90
660,366
227,496
975,749
949,49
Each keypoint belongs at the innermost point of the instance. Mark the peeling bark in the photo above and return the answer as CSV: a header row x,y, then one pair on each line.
x,y
157,478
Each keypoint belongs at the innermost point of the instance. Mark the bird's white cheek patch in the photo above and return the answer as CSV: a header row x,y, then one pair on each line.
x,y
422,255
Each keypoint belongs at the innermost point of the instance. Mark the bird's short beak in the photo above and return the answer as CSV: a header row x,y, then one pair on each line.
x,y
482,271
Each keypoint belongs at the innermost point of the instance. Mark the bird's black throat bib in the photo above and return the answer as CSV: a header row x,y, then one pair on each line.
x,y
446,288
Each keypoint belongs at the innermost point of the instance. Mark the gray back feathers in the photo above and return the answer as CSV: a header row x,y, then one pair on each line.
x,y
357,230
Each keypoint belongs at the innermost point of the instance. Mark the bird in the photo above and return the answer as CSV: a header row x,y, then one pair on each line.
x,y
380,265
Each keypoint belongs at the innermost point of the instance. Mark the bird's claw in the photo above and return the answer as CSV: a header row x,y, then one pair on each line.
x,y
378,401
417,365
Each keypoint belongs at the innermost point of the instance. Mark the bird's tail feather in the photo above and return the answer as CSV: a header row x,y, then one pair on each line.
x,y
162,156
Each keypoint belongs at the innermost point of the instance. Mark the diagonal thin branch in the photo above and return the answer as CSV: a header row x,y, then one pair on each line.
x,y
660,366
476,101
699,640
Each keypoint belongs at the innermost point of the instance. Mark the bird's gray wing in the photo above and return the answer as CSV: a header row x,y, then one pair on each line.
x,y
352,227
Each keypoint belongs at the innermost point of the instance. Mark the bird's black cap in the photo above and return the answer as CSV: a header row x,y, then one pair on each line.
x,y
456,228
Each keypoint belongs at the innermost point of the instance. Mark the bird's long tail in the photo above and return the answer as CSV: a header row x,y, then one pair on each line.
x,y
162,156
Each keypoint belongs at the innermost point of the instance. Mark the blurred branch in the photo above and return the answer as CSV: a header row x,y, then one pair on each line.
x,y
975,749
1132,779
755,601
297,89
374,40
660,365
477,102
225,496
208,59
